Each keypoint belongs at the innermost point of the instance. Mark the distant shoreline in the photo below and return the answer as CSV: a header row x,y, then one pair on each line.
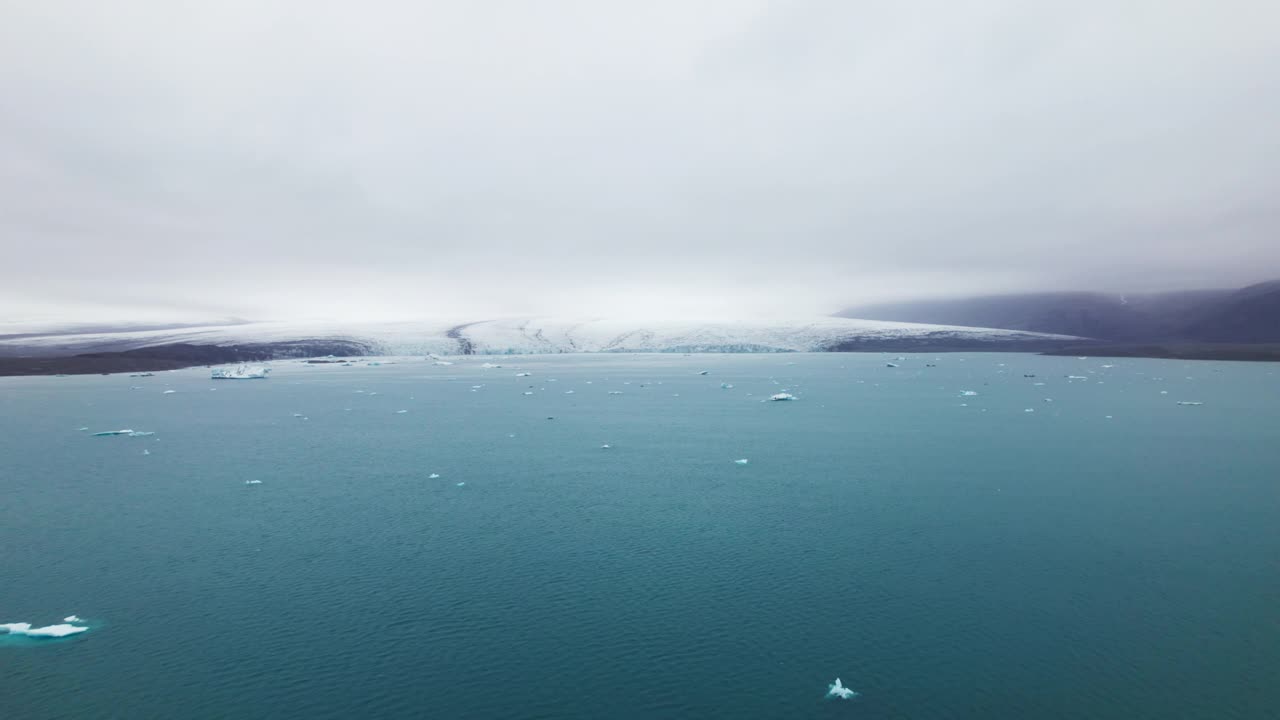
x,y
179,356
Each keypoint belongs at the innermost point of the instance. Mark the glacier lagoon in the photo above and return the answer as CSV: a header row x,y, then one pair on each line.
x,y
912,530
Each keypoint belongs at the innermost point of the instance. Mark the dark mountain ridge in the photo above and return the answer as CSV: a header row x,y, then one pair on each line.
x,y
1246,315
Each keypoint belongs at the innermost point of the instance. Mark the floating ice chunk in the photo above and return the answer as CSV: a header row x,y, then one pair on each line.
x,y
442,362
1029,410
168,392
522,374
741,461
528,392
146,451
1189,402
461,484
605,446
401,412
568,392
433,476
782,396
241,372
891,365
476,387
84,429
140,433
252,482
726,386
52,631
838,690
968,393
1164,392
490,366
615,392
1077,377
703,372
105,433
71,619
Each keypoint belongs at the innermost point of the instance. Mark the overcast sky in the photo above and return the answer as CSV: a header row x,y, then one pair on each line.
x,y
380,159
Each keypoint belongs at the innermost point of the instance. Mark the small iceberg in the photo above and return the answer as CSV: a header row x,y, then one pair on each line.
x,y
169,392
252,482
968,393
106,433
726,386
442,363
71,619
522,374
838,690
615,392
605,446
741,461
461,484
48,631
490,366
782,396
703,372
891,365
433,476
401,412
1189,402
240,372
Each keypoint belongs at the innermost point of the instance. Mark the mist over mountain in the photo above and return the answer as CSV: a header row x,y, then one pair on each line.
x,y
1245,315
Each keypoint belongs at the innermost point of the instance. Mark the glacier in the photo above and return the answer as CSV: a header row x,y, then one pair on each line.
x,y
513,336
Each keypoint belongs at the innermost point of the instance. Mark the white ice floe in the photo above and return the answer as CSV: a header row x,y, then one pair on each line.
x,y
242,372
401,412
433,476
491,366
169,392
615,392
71,619
605,446
741,461
1189,402
968,393
522,374
50,631
838,690
726,386
442,363
782,396
252,482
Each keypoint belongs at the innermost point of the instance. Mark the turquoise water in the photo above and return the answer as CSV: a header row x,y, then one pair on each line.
x,y
943,560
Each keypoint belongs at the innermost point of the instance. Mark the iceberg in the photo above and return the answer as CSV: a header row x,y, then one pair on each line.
x,y
838,690
968,393
252,482
782,396
522,374
490,366
433,476
242,372
49,631
71,619
442,363
742,461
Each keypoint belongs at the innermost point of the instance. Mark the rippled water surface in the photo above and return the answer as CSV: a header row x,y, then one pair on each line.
x,y
1112,554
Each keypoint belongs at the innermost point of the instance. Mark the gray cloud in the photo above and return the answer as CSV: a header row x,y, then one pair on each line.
x,y
398,159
